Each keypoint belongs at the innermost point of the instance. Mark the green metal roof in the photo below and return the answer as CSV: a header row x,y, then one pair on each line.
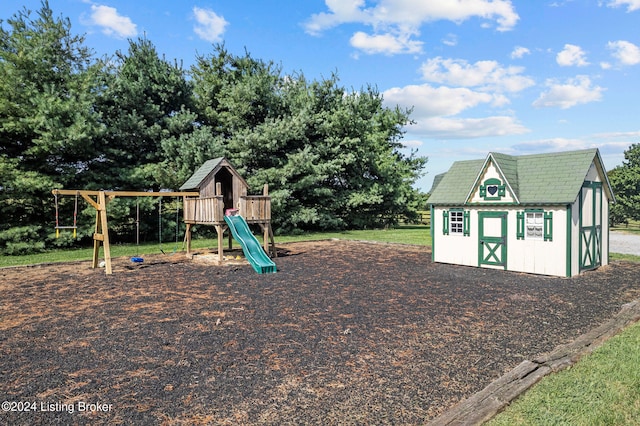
x,y
196,179
554,178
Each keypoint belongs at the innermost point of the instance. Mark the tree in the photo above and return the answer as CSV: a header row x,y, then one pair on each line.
x,y
144,102
625,182
331,157
48,124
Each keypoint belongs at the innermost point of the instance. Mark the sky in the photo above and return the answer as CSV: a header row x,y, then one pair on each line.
x,y
516,77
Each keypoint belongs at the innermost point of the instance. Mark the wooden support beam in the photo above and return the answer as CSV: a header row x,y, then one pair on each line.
x,y
102,198
113,194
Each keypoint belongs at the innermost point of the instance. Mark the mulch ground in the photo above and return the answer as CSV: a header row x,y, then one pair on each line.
x,y
343,333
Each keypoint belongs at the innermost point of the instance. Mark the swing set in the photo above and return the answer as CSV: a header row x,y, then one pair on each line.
x,y
99,201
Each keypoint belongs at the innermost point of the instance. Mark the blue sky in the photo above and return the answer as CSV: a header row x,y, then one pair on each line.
x,y
517,77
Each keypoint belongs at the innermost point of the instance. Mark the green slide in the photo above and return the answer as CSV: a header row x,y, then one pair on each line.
x,y
250,245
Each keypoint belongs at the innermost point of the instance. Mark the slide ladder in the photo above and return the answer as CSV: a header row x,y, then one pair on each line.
x,y
251,247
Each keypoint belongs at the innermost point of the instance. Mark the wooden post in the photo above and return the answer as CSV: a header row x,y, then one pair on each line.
x,y
101,234
267,224
220,232
187,237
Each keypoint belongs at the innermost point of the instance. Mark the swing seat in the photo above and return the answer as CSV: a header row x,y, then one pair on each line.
x,y
137,260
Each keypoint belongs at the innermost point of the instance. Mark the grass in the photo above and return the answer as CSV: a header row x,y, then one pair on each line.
x,y
602,389
408,234
633,227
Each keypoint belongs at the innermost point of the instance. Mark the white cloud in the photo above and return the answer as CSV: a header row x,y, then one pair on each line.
x,y
625,52
468,128
413,143
631,4
572,55
111,22
450,40
434,109
608,144
485,75
519,51
551,145
575,91
429,101
209,25
401,19
384,43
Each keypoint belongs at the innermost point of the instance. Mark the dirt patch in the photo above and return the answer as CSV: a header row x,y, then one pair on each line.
x,y
344,333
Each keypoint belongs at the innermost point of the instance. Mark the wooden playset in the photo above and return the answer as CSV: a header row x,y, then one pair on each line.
x,y
214,195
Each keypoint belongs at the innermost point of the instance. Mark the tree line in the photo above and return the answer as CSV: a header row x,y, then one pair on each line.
x,y
332,157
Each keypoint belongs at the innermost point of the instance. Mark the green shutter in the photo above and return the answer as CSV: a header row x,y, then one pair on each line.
x,y
520,225
466,223
445,222
548,226
483,191
502,191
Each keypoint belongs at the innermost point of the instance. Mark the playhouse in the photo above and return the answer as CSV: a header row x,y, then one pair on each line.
x,y
223,203
543,214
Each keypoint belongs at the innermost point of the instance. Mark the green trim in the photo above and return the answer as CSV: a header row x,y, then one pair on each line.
x,y
591,236
497,242
520,225
466,223
433,236
548,226
569,242
445,222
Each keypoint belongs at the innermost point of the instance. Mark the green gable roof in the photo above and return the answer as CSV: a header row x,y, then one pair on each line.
x,y
201,174
554,178
454,186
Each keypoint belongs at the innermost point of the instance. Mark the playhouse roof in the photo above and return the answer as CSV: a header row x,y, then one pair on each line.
x,y
553,178
208,168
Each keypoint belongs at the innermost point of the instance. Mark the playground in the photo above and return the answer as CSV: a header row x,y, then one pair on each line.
x,y
344,333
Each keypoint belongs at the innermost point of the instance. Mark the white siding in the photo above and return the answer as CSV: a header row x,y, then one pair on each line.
x,y
454,248
539,256
531,256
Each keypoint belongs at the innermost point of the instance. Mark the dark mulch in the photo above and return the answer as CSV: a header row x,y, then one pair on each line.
x,y
344,333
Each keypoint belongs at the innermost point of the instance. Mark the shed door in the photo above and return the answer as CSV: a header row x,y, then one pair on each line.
x,y
492,239
590,225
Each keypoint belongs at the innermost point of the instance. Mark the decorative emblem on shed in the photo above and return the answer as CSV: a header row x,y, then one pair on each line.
x,y
493,189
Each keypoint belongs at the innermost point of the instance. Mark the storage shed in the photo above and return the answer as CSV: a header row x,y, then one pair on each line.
x,y
543,214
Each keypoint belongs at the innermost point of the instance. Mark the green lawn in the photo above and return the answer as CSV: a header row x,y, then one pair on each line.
x,y
633,227
602,389
404,234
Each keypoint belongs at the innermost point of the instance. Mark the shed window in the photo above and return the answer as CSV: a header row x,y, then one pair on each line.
x,y
535,225
456,221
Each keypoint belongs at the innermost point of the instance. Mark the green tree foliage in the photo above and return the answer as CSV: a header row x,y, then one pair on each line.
x,y
48,124
145,100
625,181
331,157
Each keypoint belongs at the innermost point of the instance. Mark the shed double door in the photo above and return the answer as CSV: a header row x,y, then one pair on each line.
x,y
590,225
492,239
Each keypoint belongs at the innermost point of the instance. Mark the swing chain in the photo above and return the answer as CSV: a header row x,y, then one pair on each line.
x,y
58,227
